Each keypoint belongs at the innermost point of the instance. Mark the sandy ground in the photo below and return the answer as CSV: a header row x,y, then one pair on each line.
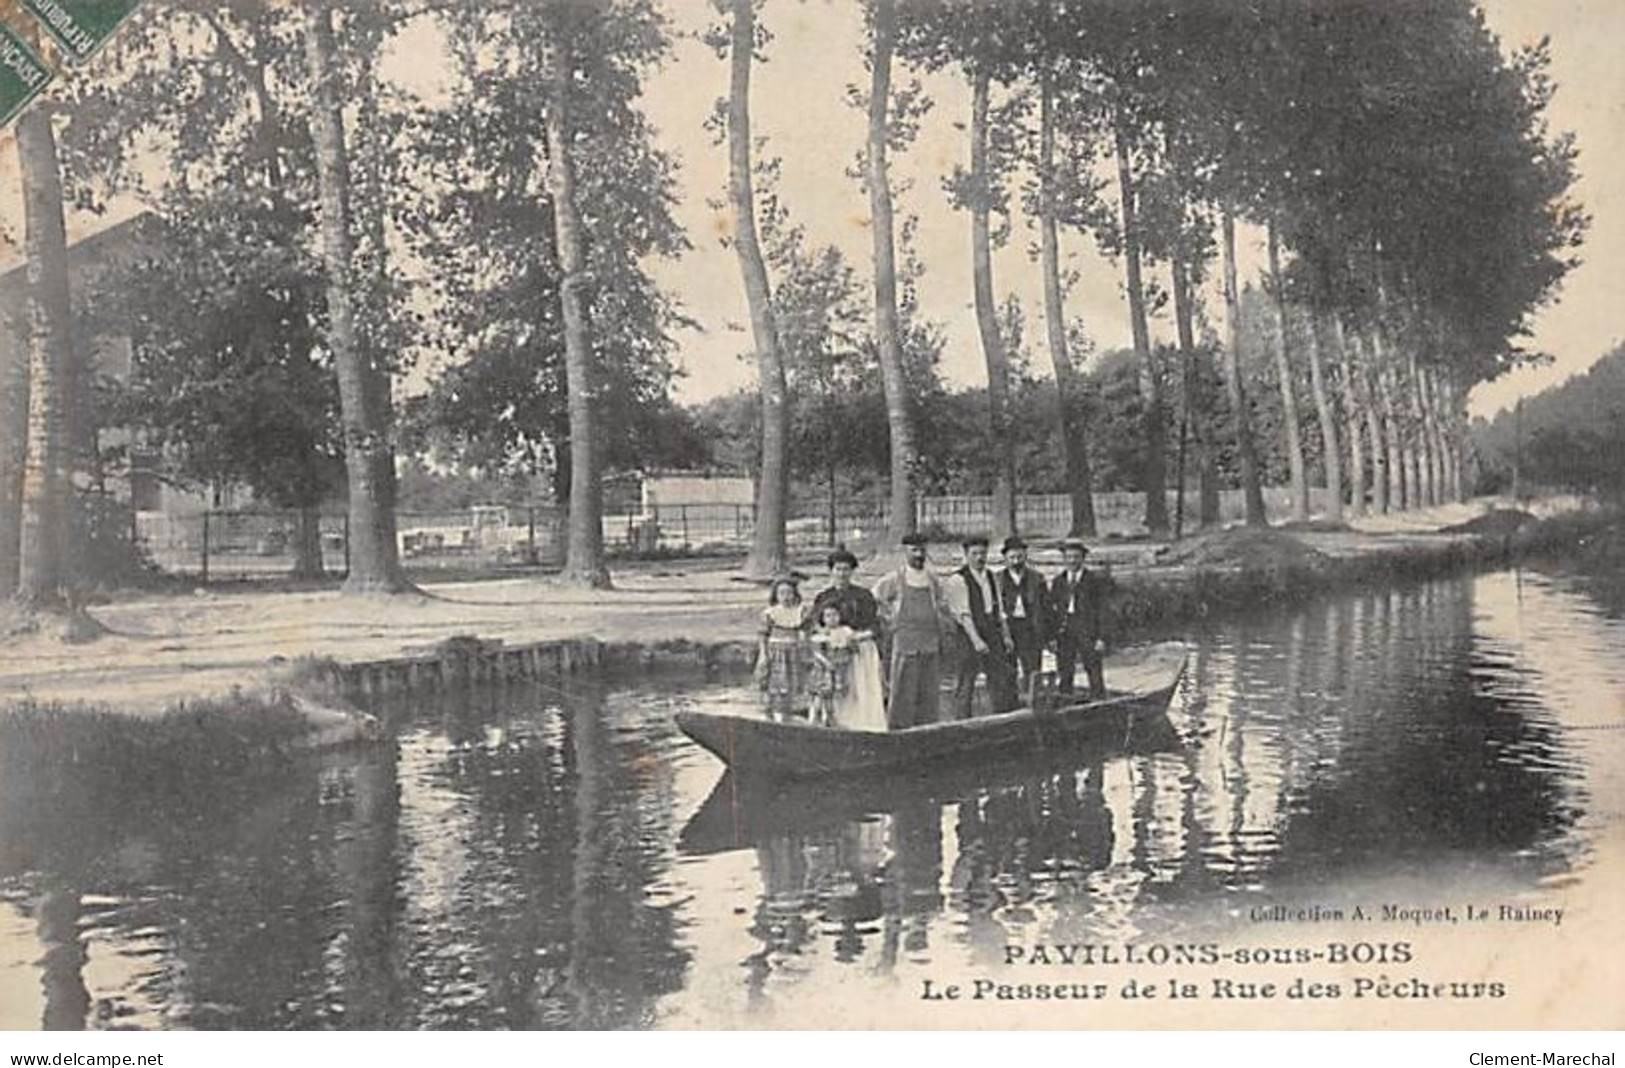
x,y
167,648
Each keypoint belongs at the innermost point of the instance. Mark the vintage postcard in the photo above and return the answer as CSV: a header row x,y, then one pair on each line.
x,y
758,514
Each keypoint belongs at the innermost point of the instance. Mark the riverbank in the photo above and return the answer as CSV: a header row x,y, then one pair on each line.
x,y
156,654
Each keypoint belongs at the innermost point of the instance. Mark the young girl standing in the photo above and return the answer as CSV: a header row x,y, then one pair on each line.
x,y
781,653
833,647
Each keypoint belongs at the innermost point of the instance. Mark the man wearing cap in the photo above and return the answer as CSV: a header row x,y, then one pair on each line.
x,y
1078,619
913,604
984,645
1022,599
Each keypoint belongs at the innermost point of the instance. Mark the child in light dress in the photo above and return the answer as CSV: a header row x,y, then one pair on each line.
x,y
833,646
780,659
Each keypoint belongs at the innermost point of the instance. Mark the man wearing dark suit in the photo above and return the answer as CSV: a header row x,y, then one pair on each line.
x,y
984,646
1078,616
1022,599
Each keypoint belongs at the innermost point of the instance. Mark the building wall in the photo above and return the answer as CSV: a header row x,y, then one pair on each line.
x,y
666,490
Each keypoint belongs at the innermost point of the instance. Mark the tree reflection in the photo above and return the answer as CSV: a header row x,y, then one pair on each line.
x,y
62,957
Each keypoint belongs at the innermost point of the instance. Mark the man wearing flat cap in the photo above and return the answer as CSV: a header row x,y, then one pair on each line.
x,y
984,647
1022,599
1078,615
914,605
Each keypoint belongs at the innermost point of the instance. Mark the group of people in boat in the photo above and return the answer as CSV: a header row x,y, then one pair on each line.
x,y
987,623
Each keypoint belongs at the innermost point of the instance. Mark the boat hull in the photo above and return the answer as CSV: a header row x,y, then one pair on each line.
x,y
744,811
759,747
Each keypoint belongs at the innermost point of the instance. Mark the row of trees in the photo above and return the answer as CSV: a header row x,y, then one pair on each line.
x,y
1414,201
838,426
294,189
319,224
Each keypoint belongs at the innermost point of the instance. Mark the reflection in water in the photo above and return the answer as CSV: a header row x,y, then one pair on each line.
x,y
535,859
62,959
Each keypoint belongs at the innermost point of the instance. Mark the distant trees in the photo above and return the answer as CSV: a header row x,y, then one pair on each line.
x,y
1570,437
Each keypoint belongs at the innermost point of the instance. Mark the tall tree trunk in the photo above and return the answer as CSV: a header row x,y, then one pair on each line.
x,y
42,570
307,544
1331,449
1437,478
308,562
1417,441
1298,484
1395,463
584,542
1376,422
1068,385
1196,400
987,317
1406,423
13,442
380,383
1450,412
888,331
1246,451
1353,412
1154,479
772,491
369,459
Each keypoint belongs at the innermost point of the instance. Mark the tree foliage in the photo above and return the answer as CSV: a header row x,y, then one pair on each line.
x,y
476,208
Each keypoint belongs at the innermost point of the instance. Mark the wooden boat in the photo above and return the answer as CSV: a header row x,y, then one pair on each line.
x,y
743,811
1144,681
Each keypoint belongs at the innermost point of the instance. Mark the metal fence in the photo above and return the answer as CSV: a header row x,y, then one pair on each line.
x,y
219,545
225,545
1117,513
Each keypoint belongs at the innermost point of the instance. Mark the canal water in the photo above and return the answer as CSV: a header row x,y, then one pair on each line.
x,y
550,858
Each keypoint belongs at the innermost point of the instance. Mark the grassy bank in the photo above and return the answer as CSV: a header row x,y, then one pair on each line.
x,y
1251,570
46,747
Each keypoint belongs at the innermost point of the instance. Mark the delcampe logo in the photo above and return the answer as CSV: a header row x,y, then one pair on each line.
x,y
81,26
22,75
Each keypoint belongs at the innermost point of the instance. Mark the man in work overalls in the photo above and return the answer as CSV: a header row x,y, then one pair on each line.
x,y
913,605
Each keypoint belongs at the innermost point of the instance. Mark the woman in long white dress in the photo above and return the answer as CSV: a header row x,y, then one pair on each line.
x,y
862,707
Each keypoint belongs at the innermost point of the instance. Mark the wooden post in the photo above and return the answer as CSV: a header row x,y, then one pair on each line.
x,y
205,548
1517,452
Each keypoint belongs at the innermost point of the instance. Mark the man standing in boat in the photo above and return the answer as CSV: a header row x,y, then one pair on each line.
x,y
1022,600
1078,617
984,647
913,604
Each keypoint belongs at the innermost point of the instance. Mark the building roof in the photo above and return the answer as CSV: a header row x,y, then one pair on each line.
x,y
88,249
